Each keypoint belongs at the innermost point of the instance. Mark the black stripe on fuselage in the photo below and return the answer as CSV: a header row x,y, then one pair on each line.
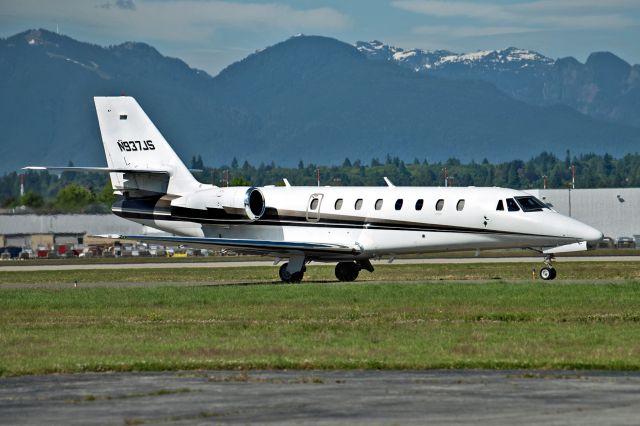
x,y
272,218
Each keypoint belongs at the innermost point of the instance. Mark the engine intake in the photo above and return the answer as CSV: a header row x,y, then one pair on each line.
x,y
254,204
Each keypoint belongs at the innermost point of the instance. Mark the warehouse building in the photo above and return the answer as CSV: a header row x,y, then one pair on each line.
x,y
30,230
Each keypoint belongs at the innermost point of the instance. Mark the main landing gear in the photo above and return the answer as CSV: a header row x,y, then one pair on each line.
x,y
548,272
348,271
291,277
293,271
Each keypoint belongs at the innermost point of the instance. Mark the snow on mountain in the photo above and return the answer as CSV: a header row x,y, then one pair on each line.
x,y
425,60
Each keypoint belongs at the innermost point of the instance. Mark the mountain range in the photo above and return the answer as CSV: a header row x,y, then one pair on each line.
x,y
604,87
314,99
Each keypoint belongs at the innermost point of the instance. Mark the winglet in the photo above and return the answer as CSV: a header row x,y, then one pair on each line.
x,y
286,182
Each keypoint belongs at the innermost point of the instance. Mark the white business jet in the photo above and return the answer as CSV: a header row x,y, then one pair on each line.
x,y
347,225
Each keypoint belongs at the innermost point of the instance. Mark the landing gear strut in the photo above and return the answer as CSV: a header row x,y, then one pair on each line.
x,y
548,272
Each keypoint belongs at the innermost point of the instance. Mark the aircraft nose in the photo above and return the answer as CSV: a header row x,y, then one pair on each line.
x,y
580,231
590,234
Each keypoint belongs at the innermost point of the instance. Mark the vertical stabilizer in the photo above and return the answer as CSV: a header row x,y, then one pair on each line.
x,y
131,141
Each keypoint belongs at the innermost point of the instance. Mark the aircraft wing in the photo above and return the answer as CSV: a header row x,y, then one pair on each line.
x,y
246,246
96,169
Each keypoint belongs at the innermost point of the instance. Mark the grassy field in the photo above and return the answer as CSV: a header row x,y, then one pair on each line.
x,y
403,322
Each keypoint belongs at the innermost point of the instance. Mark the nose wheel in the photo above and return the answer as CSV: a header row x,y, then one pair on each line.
x,y
548,272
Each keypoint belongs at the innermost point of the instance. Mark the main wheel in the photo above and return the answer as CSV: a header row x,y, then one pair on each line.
x,y
347,271
289,277
296,277
547,273
285,275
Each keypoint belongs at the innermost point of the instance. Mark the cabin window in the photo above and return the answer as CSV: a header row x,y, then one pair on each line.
x,y
399,203
439,205
123,116
512,206
500,205
358,205
314,204
460,205
378,203
419,204
338,204
530,204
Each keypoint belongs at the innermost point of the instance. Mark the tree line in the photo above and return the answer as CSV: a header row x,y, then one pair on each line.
x,y
91,192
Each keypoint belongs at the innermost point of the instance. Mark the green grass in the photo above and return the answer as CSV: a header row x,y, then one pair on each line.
x,y
322,326
325,273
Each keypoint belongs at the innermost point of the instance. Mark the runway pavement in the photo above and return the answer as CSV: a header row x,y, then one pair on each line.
x,y
243,264
324,398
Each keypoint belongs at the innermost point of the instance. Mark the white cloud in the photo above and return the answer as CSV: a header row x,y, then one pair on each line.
x,y
537,15
176,19
470,31
579,5
455,9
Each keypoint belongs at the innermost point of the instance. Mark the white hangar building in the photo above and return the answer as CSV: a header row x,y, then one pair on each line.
x,y
29,230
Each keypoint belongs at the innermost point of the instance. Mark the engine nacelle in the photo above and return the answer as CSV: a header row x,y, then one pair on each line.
x,y
239,204
245,201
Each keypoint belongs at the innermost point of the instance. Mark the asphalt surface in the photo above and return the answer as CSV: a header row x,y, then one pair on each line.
x,y
240,264
323,398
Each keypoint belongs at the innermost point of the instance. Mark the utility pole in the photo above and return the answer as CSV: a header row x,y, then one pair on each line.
x,y
573,176
446,177
21,185
544,180
318,176
569,188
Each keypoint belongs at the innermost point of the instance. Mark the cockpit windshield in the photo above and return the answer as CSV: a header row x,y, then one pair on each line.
x,y
530,204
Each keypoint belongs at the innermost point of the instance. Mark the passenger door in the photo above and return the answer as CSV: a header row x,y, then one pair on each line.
x,y
313,207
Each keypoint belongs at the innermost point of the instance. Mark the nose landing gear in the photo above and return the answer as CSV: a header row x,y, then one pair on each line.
x,y
548,272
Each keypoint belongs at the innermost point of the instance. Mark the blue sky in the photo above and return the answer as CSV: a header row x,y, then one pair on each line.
x,y
211,34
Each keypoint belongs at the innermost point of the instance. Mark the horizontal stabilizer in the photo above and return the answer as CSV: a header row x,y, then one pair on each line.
x,y
97,169
265,247
568,248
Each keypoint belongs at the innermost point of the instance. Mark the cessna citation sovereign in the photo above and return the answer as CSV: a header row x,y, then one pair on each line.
x,y
347,225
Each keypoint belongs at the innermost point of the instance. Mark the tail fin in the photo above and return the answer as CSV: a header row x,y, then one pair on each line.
x,y
131,141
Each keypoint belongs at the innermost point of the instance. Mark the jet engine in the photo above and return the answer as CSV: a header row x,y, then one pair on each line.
x,y
245,201
235,204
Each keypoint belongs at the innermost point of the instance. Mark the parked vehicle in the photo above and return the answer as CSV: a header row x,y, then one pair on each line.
x,y
625,242
606,243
